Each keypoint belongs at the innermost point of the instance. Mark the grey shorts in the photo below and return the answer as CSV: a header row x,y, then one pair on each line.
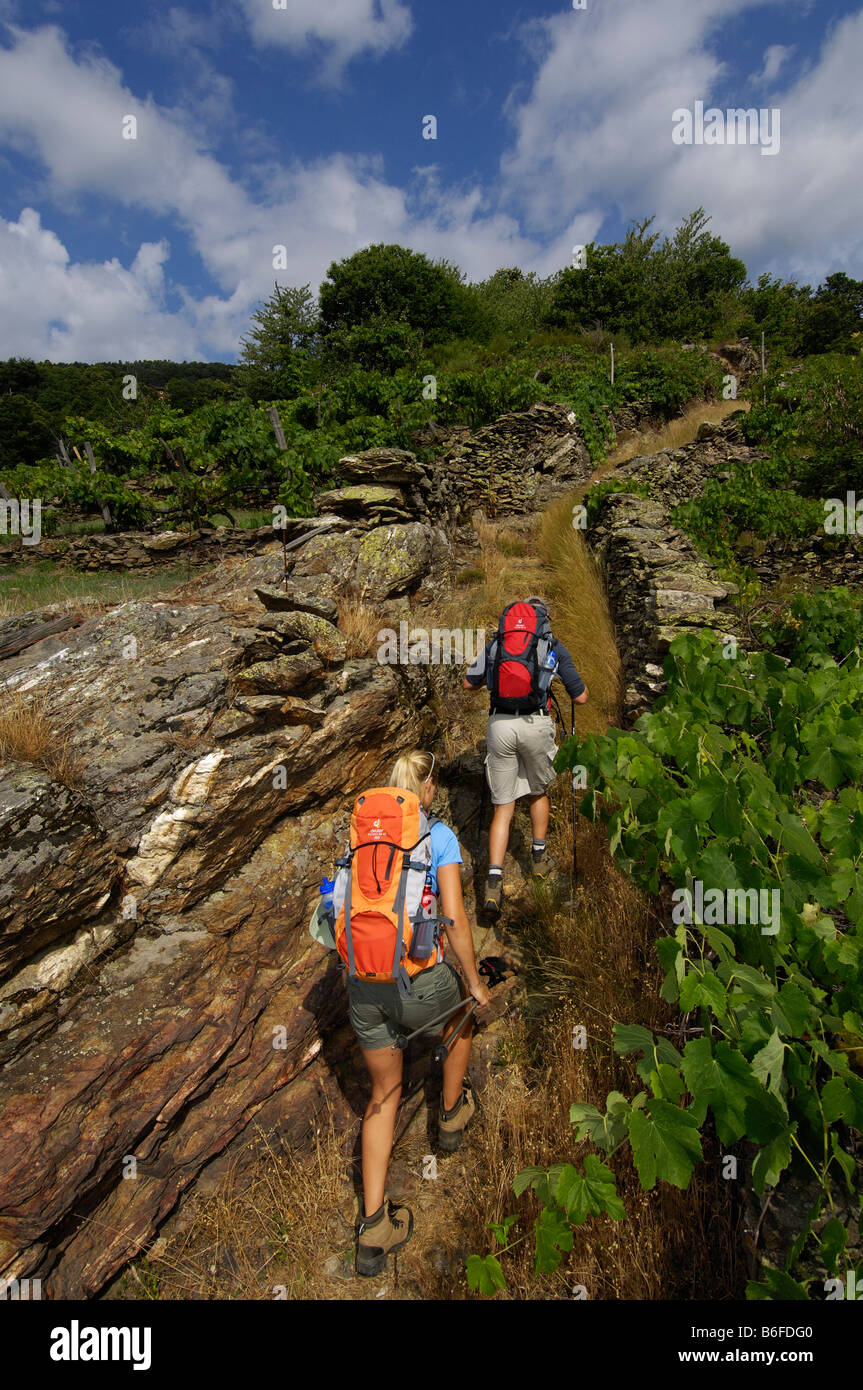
x,y
379,1014
520,757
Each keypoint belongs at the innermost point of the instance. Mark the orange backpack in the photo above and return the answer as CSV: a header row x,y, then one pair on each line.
x,y
386,926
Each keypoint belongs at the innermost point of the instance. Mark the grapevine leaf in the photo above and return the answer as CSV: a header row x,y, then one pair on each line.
x,y
715,868
777,1285
823,766
765,1116
796,838
606,1131
845,1161
530,1177
630,1038
770,1161
667,1083
590,1195
833,1238
485,1274
703,990
501,1229
721,1080
553,1235
665,1144
837,1101
791,1010
753,981
768,1062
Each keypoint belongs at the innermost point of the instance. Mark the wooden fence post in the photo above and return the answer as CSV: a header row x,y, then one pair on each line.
x,y
276,423
103,506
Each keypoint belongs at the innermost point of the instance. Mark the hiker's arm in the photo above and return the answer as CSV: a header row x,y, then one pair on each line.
x,y
568,673
474,679
459,934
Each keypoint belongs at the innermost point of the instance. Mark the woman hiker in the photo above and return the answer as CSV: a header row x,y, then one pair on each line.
x,y
379,1014
520,741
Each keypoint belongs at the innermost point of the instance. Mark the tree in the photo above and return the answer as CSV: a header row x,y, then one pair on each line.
x,y
780,310
390,284
836,314
25,432
648,291
276,352
514,303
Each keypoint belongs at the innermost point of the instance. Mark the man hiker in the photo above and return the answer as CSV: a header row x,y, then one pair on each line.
x,y
517,667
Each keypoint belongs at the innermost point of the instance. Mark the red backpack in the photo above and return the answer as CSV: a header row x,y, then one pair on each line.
x,y
515,675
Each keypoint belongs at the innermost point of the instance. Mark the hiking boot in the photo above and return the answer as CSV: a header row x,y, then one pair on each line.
x,y
382,1235
540,863
493,895
451,1127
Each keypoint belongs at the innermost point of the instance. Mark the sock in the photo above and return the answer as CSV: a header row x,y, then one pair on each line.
x,y
539,844
495,871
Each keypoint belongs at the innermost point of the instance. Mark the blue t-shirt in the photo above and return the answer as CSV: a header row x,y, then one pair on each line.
x,y
445,850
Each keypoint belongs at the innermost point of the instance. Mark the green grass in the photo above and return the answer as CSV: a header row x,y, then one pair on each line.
x,y
26,589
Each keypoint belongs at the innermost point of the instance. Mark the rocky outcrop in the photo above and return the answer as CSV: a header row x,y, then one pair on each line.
x,y
158,989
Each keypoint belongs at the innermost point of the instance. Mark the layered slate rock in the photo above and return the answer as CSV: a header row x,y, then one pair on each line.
x,y
158,989
658,586
515,465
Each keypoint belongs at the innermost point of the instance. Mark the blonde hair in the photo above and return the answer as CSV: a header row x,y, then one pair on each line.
x,y
412,771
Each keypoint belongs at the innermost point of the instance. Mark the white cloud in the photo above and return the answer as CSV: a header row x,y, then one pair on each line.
x,y
50,308
69,113
774,58
595,130
346,28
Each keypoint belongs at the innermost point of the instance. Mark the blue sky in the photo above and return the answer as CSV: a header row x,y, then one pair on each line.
x,y
302,126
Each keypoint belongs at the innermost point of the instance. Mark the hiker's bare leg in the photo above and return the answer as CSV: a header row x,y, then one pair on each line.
x,y
498,835
379,1121
455,1066
540,810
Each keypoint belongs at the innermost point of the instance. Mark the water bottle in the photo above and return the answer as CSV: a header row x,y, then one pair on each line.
x,y
547,671
326,892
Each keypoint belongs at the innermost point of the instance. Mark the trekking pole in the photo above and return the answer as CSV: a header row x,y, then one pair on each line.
x,y
403,1039
492,967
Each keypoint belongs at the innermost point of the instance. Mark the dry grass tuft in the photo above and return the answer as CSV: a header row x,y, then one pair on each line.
x,y
359,625
29,733
673,435
252,1238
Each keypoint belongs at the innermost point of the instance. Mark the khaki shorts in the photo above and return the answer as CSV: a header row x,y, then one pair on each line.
x,y
379,1014
520,757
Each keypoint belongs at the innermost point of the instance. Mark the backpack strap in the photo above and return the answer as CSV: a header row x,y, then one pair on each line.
x,y
352,968
399,973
